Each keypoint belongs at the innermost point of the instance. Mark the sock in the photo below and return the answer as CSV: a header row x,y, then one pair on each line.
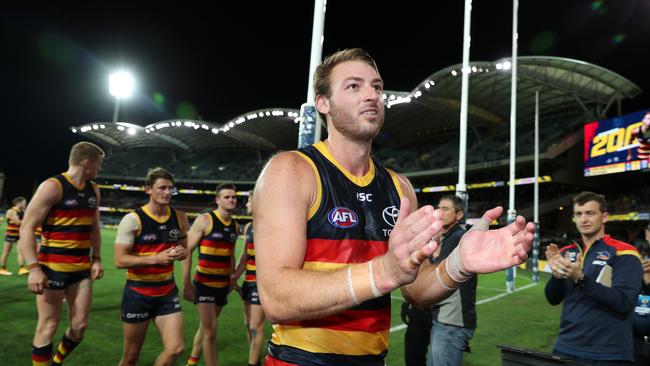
x,y
41,355
259,363
65,347
193,360
4,268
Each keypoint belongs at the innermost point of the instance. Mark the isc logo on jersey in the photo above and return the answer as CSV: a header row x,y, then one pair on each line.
x,y
343,218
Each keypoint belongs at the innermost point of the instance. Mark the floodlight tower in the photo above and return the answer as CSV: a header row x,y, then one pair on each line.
x,y
120,85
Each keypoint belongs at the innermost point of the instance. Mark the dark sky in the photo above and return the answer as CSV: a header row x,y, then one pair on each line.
x,y
246,55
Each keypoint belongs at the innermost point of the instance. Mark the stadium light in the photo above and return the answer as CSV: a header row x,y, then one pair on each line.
x,y
120,85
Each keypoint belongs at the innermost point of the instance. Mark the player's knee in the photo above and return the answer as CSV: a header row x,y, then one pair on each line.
x,y
256,328
210,336
176,351
77,329
47,327
130,357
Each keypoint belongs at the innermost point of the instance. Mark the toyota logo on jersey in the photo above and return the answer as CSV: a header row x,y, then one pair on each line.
x,y
343,218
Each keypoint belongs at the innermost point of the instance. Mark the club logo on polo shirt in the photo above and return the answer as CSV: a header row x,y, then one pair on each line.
x,y
343,218
601,258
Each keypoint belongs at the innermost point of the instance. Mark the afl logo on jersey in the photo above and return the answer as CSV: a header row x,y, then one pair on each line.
x,y
343,218
150,237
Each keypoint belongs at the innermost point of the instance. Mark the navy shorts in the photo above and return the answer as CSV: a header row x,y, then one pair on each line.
x,y
137,307
249,293
11,238
210,295
61,280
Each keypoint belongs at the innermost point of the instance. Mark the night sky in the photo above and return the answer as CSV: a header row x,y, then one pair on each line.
x,y
191,62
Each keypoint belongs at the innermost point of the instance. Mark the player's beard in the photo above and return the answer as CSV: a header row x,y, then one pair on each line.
x,y
355,128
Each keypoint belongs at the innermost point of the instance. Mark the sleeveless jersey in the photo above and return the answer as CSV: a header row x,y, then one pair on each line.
x,y
67,228
154,236
13,229
349,223
215,253
249,275
644,144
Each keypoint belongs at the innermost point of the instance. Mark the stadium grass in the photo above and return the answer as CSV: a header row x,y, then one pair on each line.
x,y
521,319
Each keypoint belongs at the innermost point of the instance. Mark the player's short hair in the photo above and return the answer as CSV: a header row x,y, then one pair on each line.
x,y
85,151
586,196
323,71
456,201
18,200
223,186
157,173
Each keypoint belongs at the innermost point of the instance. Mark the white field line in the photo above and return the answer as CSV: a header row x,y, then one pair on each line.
x,y
489,299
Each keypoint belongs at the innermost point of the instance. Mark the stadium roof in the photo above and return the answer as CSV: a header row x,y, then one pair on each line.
x,y
568,89
266,129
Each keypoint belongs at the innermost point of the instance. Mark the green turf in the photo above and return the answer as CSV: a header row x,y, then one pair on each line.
x,y
523,319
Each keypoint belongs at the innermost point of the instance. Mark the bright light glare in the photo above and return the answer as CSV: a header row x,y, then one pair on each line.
x,y
121,84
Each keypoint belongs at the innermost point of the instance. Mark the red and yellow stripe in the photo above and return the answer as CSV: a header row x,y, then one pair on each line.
x,y
251,267
356,331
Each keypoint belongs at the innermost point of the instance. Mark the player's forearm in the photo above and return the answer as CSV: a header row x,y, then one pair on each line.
x,y
187,269
297,294
27,245
96,244
428,288
131,261
241,266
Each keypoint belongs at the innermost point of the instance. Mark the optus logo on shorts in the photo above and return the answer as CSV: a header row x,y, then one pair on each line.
x,y
343,217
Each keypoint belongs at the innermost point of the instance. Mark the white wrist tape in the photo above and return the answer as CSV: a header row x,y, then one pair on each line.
x,y
351,288
442,283
373,287
454,268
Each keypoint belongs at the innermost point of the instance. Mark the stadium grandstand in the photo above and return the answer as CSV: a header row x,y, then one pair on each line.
x,y
419,139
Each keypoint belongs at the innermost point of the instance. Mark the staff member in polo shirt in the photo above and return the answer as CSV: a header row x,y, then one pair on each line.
x,y
598,279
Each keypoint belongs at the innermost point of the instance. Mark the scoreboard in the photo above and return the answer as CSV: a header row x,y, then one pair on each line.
x,y
609,147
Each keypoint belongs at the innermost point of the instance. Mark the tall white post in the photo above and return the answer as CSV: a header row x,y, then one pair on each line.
x,y
461,187
536,194
512,212
310,125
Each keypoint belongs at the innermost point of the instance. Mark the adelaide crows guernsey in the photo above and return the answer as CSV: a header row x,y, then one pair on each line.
x,y
644,144
349,223
13,229
67,228
215,253
155,236
250,275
